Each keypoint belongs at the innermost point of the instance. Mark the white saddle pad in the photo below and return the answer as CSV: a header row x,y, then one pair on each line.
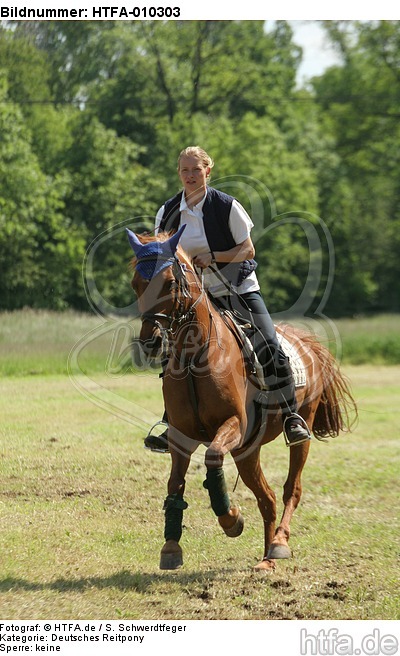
x,y
296,363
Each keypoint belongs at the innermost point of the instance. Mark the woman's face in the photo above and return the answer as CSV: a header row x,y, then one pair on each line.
x,y
193,174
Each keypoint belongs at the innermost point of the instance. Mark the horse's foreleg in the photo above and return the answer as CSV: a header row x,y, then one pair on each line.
x,y
291,496
174,505
227,438
249,468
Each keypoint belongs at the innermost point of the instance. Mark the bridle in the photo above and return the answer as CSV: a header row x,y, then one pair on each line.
x,y
178,315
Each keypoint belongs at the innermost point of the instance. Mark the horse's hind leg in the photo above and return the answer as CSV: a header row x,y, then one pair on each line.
x,y
249,468
291,496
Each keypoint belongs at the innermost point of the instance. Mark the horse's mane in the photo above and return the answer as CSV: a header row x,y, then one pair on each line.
x,y
146,237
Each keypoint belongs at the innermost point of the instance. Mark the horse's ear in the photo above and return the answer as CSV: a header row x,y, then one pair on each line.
x,y
134,241
174,240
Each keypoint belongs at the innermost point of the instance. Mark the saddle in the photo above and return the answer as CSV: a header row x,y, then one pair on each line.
x,y
242,331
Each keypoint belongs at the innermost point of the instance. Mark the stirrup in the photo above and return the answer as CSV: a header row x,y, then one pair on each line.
x,y
157,443
303,423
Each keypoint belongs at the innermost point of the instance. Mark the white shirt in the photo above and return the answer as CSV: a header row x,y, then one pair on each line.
x,y
194,241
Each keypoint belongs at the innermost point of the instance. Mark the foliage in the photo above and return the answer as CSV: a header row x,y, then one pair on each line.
x,y
39,250
94,114
360,101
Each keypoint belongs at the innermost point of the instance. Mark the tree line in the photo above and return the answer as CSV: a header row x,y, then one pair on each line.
x,y
94,113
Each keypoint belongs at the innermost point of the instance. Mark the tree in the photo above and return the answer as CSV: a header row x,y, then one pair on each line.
x,y
107,186
28,73
360,103
40,253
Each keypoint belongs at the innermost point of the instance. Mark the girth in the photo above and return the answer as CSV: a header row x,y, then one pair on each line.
x,y
194,400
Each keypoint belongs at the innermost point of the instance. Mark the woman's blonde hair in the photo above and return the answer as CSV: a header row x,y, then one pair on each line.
x,y
196,151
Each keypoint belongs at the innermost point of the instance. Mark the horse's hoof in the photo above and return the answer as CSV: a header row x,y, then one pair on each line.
x,y
171,561
265,567
173,558
236,529
277,551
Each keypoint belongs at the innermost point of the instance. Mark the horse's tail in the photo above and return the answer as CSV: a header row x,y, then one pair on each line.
x,y
337,409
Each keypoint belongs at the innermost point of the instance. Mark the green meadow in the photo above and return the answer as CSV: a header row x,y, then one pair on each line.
x,y
39,342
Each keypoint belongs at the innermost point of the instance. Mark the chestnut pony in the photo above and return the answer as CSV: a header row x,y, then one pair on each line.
x,y
209,392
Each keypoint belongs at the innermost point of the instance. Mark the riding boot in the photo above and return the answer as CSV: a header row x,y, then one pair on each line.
x,y
158,443
283,387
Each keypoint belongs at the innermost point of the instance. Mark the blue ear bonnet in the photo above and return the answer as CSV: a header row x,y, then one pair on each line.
x,y
154,256
149,268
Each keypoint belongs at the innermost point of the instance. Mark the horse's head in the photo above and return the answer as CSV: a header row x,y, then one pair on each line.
x,y
156,284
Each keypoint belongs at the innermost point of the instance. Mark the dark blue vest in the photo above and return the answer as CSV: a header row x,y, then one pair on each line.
x,y
216,211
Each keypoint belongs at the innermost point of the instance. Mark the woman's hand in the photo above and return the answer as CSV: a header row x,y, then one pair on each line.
x,y
203,260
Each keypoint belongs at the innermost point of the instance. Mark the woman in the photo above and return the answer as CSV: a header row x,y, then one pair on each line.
x,y
217,233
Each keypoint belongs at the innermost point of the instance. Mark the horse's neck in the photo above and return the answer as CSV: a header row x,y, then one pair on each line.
x,y
195,332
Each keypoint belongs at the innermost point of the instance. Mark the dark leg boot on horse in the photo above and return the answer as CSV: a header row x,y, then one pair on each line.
x,y
158,443
171,553
229,518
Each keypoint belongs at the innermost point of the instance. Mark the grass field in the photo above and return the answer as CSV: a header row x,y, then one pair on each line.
x,y
39,342
81,506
